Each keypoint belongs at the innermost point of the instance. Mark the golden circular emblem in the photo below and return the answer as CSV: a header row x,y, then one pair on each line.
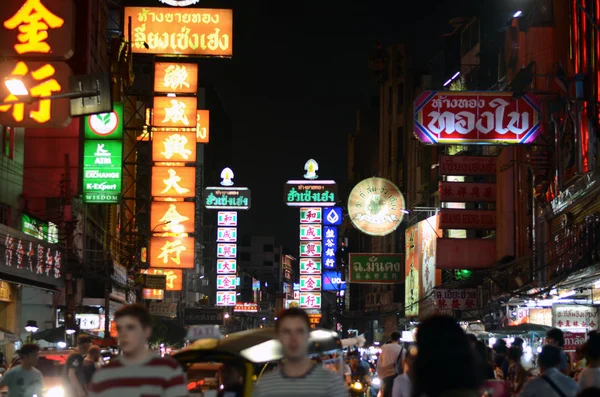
x,y
376,206
294,304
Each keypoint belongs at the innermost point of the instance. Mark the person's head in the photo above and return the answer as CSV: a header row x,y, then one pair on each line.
x,y
592,348
94,353
549,357
29,354
354,359
514,354
500,347
440,341
134,327
395,336
293,329
518,342
555,337
83,344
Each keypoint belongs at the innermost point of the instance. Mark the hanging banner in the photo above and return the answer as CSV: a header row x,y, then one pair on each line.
x,y
310,193
467,219
464,192
376,268
455,299
175,77
223,198
174,146
467,165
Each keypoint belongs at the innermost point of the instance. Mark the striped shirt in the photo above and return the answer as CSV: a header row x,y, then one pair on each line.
x,y
156,377
318,382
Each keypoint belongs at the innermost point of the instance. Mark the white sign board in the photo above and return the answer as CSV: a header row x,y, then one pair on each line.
x,y
204,332
575,316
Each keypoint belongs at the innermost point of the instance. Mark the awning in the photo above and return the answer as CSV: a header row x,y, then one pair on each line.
x,y
52,335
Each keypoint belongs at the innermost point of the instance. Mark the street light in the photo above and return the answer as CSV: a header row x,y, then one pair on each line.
x,y
518,14
31,326
16,87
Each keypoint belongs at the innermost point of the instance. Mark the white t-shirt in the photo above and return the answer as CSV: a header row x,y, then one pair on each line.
x,y
388,359
589,377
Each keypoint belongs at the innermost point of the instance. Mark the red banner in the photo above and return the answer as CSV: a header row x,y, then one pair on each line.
x,y
465,253
467,219
573,340
467,165
463,192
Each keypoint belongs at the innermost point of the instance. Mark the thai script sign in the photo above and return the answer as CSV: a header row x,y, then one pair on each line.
x,y
246,307
176,77
376,206
476,118
573,341
155,281
26,257
467,165
467,219
463,192
310,193
202,126
376,268
235,198
196,316
174,277
163,309
455,299
197,31
575,316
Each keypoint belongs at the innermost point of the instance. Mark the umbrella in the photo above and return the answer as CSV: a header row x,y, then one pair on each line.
x,y
52,335
523,329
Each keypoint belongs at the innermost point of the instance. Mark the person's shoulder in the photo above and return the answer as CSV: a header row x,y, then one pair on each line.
x,y
167,361
325,375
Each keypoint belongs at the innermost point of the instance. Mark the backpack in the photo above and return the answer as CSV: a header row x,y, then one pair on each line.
x,y
399,362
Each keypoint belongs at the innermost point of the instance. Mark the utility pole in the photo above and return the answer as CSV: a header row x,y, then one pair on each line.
x,y
67,216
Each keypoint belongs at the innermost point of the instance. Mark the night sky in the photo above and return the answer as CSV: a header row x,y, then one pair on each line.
x,y
297,76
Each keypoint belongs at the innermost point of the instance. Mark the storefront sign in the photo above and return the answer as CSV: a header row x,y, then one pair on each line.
x,y
226,266
228,251
43,79
463,192
464,253
197,316
330,249
174,146
226,234
573,341
310,249
102,171
198,31
467,219
46,231
310,266
5,295
376,206
333,216
245,307
155,281
310,300
172,252
467,165
226,281
455,299
163,309
310,215
174,112
575,316
226,218
310,193
376,268
476,118
174,277
90,321
174,182
310,232
202,126
310,283
226,298
332,281
104,126
28,258
176,77
234,198
172,217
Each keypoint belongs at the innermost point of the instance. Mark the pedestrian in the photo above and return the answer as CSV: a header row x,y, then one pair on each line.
x,y
556,338
446,365
137,371
25,380
517,375
74,377
91,363
551,382
297,375
403,383
590,376
391,363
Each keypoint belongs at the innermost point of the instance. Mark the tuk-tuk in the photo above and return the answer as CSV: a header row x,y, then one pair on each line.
x,y
229,366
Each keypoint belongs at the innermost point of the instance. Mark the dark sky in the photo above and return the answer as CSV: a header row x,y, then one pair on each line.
x,y
298,74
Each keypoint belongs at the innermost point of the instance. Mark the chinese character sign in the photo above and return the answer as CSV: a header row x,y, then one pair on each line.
x,y
179,112
176,146
41,29
165,31
310,215
175,77
202,126
310,232
174,182
575,316
172,217
227,218
226,266
310,300
226,281
172,252
310,266
330,247
226,298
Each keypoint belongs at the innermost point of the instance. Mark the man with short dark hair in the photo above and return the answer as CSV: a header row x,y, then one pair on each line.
x,y
555,337
297,375
138,371
551,383
25,380
390,363
74,376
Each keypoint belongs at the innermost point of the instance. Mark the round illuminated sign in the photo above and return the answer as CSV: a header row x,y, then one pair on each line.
x,y
179,3
376,206
104,123
227,177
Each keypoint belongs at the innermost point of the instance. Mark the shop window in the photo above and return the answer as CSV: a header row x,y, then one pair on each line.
x,y
8,141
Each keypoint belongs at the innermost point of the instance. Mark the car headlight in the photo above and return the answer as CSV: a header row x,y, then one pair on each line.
x,y
55,392
376,382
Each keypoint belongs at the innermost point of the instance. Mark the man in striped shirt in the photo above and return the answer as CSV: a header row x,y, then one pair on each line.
x,y
138,371
298,376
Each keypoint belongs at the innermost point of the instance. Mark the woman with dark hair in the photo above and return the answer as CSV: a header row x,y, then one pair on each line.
x,y
445,354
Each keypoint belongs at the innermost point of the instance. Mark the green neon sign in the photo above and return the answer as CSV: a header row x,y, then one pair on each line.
x,y
105,125
102,171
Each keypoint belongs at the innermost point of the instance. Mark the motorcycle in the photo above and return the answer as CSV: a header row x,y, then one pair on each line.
x,y
375,386
358,389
